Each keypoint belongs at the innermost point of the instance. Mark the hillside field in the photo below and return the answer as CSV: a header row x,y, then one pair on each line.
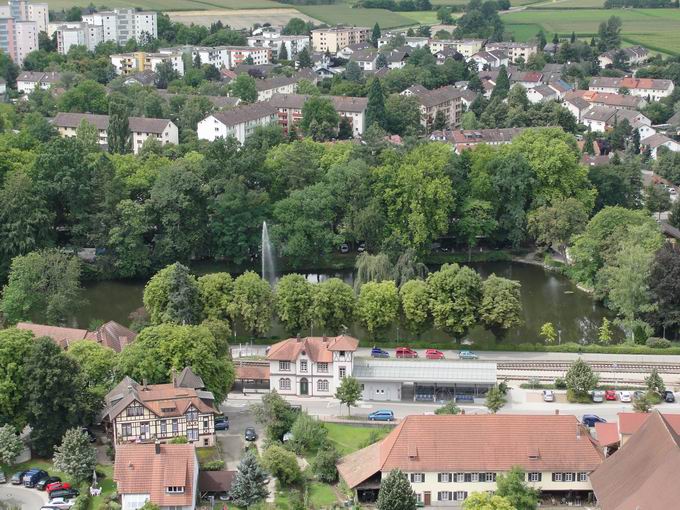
x,y
656,29
343,13
173,5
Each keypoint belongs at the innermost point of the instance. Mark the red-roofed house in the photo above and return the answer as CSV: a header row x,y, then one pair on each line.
x,y
312,365
446,458
164,474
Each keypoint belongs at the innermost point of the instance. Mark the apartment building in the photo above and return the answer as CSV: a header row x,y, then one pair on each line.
x,y
20,24
633,55
135,412
466,47
413,42
78,34
239,122
28,81
130,63
333,39
471,138
121,25
492,59
141,128
273,40
514,50
603,118
446,100
312,366
289,110
649,88
447,458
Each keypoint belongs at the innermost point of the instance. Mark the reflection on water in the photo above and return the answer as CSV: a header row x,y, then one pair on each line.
x,y
546,297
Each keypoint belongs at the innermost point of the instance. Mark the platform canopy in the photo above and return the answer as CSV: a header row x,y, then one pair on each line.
x,y
441,372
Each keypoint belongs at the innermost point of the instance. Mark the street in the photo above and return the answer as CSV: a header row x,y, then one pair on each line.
x,y
21,497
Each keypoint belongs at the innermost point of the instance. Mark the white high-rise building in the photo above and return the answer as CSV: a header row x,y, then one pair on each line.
x,y
26,33
121,25
78,34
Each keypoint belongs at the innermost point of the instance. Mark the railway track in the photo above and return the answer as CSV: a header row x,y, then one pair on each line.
x,y
597,366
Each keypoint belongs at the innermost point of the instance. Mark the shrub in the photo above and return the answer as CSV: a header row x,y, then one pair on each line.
x,y
308,434
179,440
657,343
373,437
578,397
213,465
324,463
560,384
282,464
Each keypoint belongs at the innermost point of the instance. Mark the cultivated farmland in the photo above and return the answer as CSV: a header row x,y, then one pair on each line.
x,y
343,13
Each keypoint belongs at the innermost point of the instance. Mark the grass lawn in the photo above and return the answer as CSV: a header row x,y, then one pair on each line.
x,y
422,17
350,438
321,495
207,454
657,29
344,14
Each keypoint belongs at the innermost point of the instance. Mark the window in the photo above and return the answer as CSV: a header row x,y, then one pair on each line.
x,y
205,442
164,427
322,368
444,477
568,477
175,426
135,410
535,477
343,372
417,477
322,385
127,429
144,430
192,414
557,477
174,490
459,495
444,496
583,477
488,477
303,365
284,384
474,477
459,477
284,366
192,434
419,497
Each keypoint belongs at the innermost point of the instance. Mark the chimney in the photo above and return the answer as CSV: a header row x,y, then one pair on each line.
x,y
578,431
462,411
557,411
144,385
174,377
325,339
298,338
129,389
157,446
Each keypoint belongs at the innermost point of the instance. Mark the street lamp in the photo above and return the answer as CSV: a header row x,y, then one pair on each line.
x,y
559,336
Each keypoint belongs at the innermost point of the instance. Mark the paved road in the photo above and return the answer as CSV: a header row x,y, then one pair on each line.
x,y
259,350
26,499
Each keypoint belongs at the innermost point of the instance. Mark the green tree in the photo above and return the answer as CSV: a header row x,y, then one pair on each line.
x,y
664,288
324,464
486,501
501,306
11,444
294,298
604,332
307,87
216,292
402,114
295,26
97,364
375,110
283,52
172,296
378,305
249,487
552,227
495,399
303,59
548,333
319,119
165,74
396,493
439,122
127,240
348,393
476,222
512,487
333,305
657,199
654,382
15,346
455,294
119,136
449,408
43,287
642,404
275,414
252,303
353,72
88,135
243,87
375,35
372,268
580,378
282,464
86,97
75,456
502,86
415,305
308,434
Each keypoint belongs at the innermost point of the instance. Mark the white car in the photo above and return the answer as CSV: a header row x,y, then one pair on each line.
x,y
625,396
548,396
60,503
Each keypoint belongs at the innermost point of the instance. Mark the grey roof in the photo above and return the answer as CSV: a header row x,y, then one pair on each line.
x,y
101,122
437,96
440,371
655,140
341,103
544,91
577,101
40,77
364,55
281,81
218,102
146,77
188,379
146,125
245,113
675,119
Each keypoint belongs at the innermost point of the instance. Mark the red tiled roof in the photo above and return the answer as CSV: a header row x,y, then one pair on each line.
x,y
62,336
607,433
319,349
254,372
465,443
139,469
629,423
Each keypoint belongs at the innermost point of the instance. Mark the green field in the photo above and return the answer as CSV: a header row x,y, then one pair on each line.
x,y
569,4
350,438
422,17
656,29
343,13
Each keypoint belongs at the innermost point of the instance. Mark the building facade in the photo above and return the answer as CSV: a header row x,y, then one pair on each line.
x,y
78,34
444,100
651,89
239,122
28,81
313,366
130,63
289,110
466,47
333,39
514,50
273,40
121,25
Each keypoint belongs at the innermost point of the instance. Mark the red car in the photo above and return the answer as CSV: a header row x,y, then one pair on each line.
x,y
610,395
434,354
405,352
57,486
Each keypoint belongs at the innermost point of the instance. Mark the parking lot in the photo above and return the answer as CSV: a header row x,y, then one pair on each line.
x,y
232,442
21,497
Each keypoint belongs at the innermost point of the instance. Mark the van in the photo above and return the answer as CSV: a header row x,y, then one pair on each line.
x,y
33,476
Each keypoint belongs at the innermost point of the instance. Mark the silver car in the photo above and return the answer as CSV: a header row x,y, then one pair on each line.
x,y
548,396
598,396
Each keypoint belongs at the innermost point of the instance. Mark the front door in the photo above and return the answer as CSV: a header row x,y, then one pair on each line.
x,y
304,386
427,499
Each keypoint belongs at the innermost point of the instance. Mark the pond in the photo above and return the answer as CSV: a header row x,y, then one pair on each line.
x,y
546,297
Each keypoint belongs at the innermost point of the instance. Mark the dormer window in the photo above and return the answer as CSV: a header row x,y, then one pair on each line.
x,y
174,490
192,414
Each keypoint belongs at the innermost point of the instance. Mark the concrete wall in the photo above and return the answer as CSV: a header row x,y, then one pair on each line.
x,y
381,391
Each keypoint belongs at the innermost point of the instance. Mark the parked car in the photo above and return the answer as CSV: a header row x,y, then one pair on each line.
x,y
60,503
467,355
362,247
344,248
406,352
668,396
381,415
625,396
17,478
33,476
2,477
250,434
548,396
589,420
42,484
222,423
598,396
377,352
434,354
64,494
55,486
610,395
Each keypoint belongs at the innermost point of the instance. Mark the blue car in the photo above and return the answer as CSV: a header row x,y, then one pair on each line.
x,y
222,423
589,420
381,415
377,352
467,355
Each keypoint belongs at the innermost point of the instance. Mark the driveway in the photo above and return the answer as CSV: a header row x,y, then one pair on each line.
x,y
232,441
26,499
